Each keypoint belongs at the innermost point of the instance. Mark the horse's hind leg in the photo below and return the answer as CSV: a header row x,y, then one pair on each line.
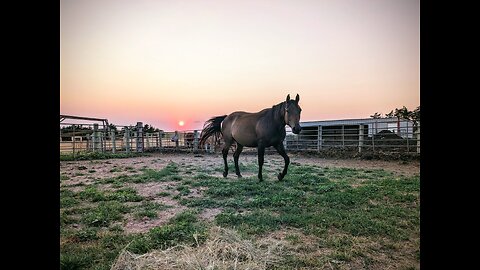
x,y
225,149
281,150
261,156
236,155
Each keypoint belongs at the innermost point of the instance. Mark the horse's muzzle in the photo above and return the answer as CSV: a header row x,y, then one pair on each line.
x,y
296,130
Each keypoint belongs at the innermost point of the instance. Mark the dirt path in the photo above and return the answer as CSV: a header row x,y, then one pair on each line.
x,y
82,170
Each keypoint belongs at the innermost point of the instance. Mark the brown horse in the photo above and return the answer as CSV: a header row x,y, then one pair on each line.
x,y
261,129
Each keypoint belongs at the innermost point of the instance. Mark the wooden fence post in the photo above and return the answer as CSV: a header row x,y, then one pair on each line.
x,y
139,137
147,137
89,141
73,140
408,145
176,139
160,135
195,140
319,138
112,138
360,138
418,137
96,138
127,139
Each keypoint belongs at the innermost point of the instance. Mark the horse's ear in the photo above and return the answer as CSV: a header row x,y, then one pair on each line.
x,y
288,98
297,98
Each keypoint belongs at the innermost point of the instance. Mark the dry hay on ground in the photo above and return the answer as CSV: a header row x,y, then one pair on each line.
x,y
224,249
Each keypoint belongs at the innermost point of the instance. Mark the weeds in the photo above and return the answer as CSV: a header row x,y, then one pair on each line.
x,y
349,216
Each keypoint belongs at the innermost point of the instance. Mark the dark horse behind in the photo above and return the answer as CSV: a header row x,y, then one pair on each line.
x,y
261,129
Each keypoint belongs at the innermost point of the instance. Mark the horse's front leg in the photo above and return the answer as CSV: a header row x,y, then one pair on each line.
x,y
281,150
261,154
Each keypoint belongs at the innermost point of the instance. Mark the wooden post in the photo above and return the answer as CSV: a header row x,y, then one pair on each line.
x,y
104,137
398,126
96,138
418,137
360,138
147,137
73,139
195,140
127,139
160,135
373,139
319,138
112,138
139,137
102,141
408,146
89,143
176,139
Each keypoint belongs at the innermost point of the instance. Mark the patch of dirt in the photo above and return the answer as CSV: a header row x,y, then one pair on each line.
x,y
133,225
150,190
209,214
75,189
196,192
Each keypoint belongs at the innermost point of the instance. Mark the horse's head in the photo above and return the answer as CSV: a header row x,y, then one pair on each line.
x,y
292,114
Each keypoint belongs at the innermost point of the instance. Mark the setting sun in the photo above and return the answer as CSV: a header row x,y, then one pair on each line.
x,y
181,123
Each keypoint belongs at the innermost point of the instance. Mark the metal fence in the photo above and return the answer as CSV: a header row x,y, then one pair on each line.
x,y
360,137
357,137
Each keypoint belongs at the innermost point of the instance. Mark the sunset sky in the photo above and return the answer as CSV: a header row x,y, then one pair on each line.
x,y
162,62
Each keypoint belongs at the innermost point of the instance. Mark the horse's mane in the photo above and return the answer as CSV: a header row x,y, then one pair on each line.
x,y
278,111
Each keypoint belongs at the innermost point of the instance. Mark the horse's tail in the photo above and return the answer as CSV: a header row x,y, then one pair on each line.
x,y
211,127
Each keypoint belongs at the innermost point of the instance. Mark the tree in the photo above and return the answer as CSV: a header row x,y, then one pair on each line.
x,y
415,116
150,129
402,113
389,115
74,130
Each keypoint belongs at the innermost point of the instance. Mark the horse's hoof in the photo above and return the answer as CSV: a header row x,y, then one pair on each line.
x,y
280,177
239,176
225,174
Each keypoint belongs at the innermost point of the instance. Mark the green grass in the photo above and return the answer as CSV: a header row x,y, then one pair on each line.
x,y
104,214
314,200
67,198
115,169
97,155
91,193
184,229
164,194
169,173
149,209
351,215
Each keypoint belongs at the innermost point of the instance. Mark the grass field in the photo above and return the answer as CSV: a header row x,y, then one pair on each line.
x,y
185,216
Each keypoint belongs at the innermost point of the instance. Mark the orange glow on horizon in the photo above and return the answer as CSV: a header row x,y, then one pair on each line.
x,y
157,62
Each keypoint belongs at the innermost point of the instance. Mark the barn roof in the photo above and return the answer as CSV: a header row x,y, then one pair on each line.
x,y
348,122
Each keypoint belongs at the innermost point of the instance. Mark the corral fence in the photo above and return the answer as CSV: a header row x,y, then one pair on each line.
x,y
357,135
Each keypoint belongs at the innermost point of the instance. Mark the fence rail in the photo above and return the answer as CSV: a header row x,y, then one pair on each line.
x,y
87,137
